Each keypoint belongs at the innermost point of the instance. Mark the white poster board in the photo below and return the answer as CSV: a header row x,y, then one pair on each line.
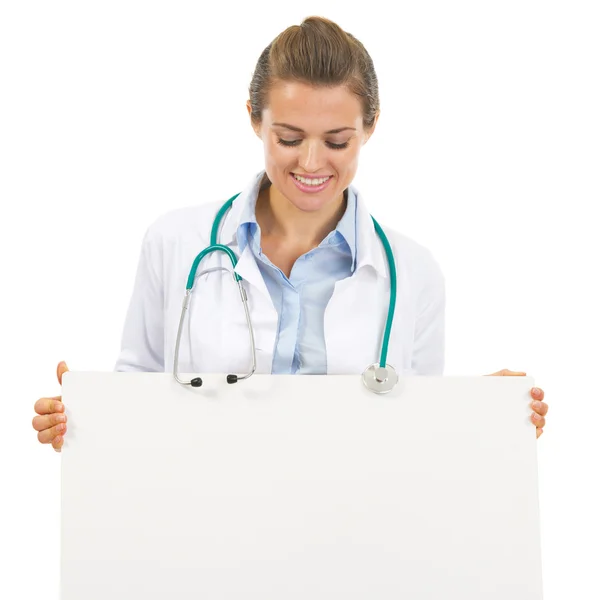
x,y
287,487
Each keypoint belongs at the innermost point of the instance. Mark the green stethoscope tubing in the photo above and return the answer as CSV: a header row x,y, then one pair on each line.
x,y
393,293
214,246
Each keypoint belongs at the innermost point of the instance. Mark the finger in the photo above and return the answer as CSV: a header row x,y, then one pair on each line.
x,y
537,393
61,369
57,443
539,432
45,406
540,407
507,372
48,435
538,421
47,421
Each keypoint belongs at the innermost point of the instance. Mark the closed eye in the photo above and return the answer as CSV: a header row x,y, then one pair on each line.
x,y
291,143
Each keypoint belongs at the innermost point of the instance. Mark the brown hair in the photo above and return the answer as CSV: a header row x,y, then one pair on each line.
x,y
318,52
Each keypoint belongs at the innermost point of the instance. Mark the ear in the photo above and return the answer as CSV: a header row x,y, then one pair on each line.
x,y
370,131
255,126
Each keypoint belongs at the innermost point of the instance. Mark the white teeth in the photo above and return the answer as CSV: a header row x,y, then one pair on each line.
x,y
310,181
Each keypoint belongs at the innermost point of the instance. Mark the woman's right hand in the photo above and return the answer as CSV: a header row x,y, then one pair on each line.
x,y
51,422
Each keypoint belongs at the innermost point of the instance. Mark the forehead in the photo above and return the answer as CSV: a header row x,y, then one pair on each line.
x,y
307,106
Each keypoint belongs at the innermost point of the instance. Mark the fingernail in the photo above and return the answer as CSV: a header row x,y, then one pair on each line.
x,y
536,417
536,390
536,404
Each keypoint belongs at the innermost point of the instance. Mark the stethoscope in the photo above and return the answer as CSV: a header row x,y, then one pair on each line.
x,y
378,377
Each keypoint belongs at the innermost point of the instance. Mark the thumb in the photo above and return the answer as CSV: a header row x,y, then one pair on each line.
x,y
61,369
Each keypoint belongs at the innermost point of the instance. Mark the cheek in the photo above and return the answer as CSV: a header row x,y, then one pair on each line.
x,y
277,155
347,161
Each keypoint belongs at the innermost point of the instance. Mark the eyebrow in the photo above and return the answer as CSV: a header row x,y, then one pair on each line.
x,y
293,128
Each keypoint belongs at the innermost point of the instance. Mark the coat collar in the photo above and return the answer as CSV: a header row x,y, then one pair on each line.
x,y
369,250
228,234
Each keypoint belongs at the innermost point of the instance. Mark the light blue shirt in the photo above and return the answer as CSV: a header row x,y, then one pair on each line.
x,y
300,300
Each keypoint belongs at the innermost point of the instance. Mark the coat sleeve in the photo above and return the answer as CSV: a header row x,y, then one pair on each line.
x,y
142,345
429,336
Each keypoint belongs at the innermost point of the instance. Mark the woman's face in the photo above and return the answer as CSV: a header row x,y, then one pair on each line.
x,y
314,133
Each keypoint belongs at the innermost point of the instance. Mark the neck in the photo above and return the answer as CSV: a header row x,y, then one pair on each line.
x,y
277,217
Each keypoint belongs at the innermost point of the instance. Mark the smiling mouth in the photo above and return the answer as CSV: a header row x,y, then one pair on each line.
x,y
312,180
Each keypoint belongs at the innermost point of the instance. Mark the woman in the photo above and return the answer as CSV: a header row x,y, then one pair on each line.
x,y
312,265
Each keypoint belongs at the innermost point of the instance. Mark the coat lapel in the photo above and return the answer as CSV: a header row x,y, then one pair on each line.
x,y
235,336
356,314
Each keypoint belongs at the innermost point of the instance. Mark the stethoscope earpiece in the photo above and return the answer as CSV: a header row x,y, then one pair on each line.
x,y
231,378
196,382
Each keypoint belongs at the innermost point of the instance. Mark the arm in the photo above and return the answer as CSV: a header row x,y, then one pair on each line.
x,y
429,338
142,345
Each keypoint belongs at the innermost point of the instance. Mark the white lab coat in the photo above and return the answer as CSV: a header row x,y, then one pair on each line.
x,y
215,337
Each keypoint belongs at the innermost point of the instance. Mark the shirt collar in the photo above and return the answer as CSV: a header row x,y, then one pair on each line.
x,y
247,222
346,228
355,226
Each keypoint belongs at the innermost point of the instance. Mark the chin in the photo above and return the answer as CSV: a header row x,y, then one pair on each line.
x,y
308,207
307,202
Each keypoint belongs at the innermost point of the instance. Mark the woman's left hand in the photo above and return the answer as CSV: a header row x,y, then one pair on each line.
x,y
540,408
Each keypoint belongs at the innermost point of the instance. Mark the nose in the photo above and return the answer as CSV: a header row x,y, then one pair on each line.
x,y
312,156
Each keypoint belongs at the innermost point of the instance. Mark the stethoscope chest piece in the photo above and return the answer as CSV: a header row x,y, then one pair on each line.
x,y
380,380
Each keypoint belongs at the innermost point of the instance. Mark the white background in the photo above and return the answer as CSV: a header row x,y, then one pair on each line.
x,y
112,113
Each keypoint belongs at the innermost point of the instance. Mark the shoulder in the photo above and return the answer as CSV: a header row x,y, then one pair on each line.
x,y
411,251
414,261
184,223
418,263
